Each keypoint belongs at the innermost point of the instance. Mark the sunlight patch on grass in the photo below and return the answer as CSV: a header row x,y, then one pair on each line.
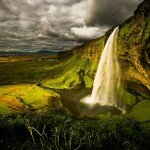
x,y
67,74
18,97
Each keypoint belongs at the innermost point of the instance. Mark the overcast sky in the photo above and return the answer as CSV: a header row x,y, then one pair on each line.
x,y
31,25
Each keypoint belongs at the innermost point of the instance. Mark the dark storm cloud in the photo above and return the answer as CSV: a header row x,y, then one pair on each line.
x,y
109,12
36,24
103,14
55,24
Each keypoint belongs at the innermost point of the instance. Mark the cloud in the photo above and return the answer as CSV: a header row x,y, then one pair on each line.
x,y
87,33
46,21
106,12
33,24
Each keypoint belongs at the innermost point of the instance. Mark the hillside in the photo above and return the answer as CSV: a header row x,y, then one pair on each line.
x,y
133,50
79,69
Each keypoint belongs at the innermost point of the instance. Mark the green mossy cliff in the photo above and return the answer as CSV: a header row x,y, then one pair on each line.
x,y
78,70
133,51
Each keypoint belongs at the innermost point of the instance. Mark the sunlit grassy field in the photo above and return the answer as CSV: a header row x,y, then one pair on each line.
x,y
26,83
17,98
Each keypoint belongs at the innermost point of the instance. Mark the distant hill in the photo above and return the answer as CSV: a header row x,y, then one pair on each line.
x,y
28,53
14,53
47,52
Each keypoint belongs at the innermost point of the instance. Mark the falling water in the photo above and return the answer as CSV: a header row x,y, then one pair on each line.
x,y
106,88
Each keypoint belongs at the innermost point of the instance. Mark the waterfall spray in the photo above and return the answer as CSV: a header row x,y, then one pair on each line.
x,y
107,84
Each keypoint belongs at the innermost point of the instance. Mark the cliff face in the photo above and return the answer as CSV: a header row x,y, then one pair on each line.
x,y
133,51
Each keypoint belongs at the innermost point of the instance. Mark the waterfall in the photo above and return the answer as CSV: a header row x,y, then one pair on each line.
x,y
106,87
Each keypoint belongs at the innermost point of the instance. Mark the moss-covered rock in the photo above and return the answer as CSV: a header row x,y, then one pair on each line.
x,y
141,111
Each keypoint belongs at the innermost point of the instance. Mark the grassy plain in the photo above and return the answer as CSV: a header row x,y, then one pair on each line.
x,y
32,83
